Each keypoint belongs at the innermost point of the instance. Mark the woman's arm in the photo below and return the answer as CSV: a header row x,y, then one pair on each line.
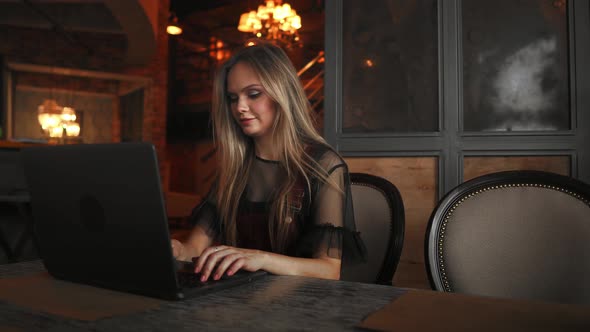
x,y
205,230
193,247
215,261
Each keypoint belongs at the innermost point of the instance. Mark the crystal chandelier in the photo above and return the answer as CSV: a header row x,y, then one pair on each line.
x,y
273,21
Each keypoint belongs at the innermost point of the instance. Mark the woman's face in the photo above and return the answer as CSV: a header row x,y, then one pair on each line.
x,y
251,107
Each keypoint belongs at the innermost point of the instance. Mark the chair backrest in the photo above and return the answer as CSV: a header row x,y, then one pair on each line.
x,y
12,176
517,234
379,217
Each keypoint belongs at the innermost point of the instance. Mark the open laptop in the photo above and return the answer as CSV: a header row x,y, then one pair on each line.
x,y
100,219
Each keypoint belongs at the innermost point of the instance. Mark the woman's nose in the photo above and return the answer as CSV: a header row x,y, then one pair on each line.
x,y
242,105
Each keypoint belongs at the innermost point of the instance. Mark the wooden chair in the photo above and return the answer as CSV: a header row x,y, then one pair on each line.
x,y
379,217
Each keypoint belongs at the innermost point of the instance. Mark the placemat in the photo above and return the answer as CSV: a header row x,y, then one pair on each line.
x,y
422,310
41,292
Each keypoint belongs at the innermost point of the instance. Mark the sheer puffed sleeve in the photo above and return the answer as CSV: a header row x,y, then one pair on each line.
x,y
329,228
204,215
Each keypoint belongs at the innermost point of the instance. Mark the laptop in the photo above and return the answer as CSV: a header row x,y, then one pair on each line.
x,y
100,219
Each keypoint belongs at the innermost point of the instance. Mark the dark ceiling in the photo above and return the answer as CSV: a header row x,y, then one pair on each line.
x,y
91,16
80,24
201,20
182,8
204,19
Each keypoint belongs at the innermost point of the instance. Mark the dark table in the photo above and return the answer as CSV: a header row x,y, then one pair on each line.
x,y
272,303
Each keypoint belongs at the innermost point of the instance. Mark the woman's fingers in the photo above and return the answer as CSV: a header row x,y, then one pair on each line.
x,y
225,263
236,266
215,261
210,258
204,257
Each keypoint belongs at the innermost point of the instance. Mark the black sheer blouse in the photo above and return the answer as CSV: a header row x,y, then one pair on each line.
x,y
323,222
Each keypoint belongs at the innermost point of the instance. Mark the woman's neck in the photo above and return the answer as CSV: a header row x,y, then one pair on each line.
x,y
264,148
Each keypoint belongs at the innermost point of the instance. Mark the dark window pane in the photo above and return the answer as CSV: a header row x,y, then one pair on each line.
x,y
390,66
515,65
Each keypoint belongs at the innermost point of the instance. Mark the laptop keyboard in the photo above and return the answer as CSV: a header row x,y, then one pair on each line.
x,y
190,280
193,280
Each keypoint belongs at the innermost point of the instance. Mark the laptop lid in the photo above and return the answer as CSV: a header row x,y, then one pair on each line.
x,y
100,217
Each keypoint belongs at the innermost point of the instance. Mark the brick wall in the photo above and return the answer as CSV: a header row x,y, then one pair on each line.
x,y
104,52
154,125
84,50
61,82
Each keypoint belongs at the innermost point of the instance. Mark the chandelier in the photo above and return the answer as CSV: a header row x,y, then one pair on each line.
x,y
57,121
273,21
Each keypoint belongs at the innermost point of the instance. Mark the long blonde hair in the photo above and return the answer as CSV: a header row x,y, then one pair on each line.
x,y
293,130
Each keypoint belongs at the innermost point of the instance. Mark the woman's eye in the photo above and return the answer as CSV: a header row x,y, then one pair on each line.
x,y
254,94
232,99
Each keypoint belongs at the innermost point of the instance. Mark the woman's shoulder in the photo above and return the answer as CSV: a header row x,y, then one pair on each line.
x,y
325,156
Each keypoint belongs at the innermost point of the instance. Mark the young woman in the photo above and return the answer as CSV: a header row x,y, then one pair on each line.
x,y
281,202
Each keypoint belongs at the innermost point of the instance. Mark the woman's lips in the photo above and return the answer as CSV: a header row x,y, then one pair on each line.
x,y
246,121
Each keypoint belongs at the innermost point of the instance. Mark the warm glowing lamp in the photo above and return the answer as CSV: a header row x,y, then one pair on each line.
x,y
173,27
272,21
72,129
49,116
56,120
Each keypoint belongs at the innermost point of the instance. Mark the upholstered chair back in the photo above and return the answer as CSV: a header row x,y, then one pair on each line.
x,y
379,217
518,234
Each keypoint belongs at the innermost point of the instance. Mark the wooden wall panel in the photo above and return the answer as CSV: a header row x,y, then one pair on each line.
x,y
480,165
416,179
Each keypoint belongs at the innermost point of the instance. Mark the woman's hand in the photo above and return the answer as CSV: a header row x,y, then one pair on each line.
x,y
217,260
178,250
